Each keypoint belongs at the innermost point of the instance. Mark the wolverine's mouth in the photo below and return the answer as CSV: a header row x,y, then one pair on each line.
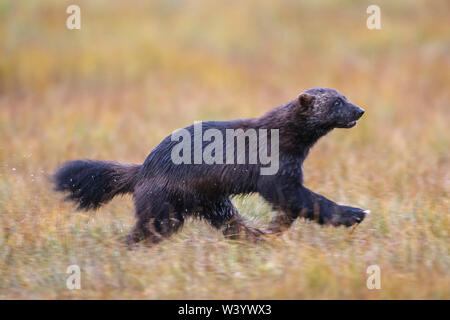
x,y
347,125
351,124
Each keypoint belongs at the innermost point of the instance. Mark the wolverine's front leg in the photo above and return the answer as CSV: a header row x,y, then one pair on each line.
x,y
316,207
293,200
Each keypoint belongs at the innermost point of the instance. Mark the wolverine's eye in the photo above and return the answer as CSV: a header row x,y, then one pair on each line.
x,y
337,103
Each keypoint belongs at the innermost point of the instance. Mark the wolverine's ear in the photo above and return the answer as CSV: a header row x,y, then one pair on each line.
x,y
306,101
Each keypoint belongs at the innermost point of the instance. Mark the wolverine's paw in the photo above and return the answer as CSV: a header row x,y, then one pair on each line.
x,y
349,216
239,231
254,234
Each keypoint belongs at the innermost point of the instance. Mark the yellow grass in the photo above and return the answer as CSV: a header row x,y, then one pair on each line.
x,y
137,70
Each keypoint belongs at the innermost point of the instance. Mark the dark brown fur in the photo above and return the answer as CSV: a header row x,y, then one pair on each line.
x,y
166,193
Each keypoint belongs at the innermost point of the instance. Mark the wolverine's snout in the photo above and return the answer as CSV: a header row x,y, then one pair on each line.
x,y
359,112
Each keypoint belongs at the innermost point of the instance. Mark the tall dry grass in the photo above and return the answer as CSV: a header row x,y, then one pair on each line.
x,y
136,71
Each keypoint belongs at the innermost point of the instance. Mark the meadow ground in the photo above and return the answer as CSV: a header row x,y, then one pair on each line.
x,y
136,71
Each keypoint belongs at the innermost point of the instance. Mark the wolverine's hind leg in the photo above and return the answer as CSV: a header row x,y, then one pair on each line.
x,y
281,222
156,219
236,228
224,216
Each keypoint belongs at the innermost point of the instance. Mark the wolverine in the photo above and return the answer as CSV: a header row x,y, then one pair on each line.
x,y
166,192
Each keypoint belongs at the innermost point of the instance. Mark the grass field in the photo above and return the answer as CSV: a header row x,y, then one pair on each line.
x,y
137,70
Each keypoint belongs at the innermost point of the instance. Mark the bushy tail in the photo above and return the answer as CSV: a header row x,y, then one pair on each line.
x,y
93,183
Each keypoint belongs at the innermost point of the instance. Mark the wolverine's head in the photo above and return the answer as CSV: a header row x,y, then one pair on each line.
x,y
327,108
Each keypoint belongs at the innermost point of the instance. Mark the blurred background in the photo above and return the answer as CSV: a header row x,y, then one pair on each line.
x,y
137,70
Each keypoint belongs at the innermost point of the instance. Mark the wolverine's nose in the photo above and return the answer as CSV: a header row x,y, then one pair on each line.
x,y
360,111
